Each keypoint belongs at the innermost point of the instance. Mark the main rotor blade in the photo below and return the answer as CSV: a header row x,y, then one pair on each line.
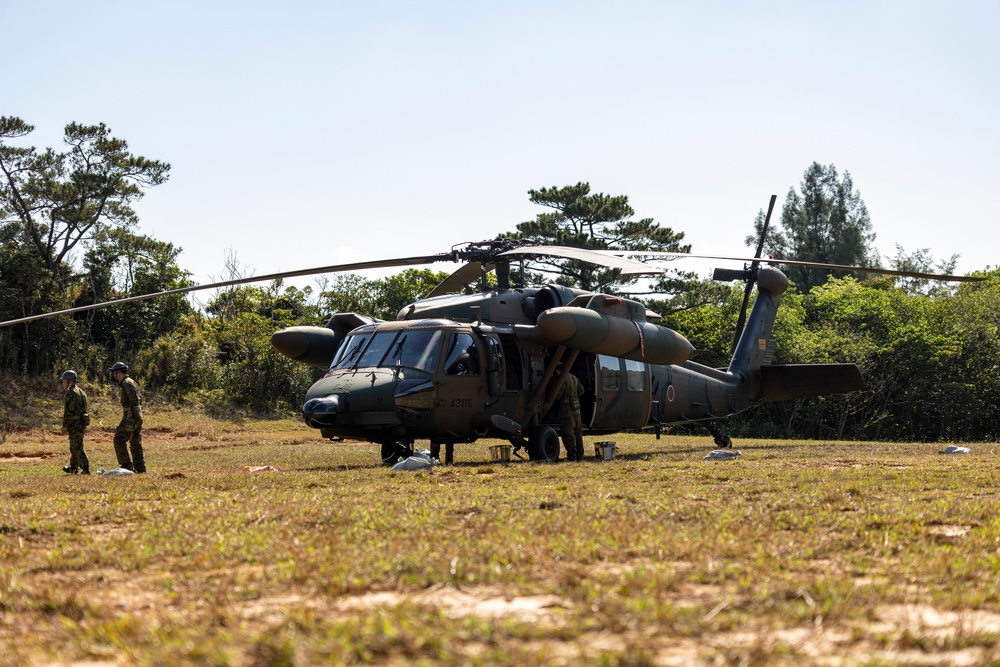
x,y
741,320
456,282
601,257
763,229
336,268
793,262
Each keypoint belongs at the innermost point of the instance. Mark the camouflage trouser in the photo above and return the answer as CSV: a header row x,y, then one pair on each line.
x,y
571,430
77,457
129,433
449,451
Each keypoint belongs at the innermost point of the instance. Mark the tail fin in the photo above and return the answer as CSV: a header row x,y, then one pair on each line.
x,y
754,347
750,363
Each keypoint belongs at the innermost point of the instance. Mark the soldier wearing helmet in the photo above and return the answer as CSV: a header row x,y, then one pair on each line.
x,y
76,418
129,431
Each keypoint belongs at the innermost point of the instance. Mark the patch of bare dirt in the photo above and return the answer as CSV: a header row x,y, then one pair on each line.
x,y
948,532
25,457
273,609
890,634
13,427
941,624
840,464
484,602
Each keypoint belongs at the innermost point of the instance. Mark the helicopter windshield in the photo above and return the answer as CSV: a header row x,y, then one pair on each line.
x,y
416,349
350,350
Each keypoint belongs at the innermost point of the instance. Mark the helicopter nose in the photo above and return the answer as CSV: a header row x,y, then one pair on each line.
x,y
321,412
352,400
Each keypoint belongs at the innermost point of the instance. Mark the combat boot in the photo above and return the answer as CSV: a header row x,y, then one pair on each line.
x,y
70,470
85,470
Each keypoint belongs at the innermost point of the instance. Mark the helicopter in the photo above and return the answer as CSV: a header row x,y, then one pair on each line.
x,y
457,366
454,368
462,364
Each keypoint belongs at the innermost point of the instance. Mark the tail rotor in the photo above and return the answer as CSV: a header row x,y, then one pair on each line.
x,y
748,275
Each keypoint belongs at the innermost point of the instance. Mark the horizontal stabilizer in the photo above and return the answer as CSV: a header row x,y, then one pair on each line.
x,y
783,383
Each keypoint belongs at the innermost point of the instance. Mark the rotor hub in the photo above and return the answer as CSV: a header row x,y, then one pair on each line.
x,y
485,251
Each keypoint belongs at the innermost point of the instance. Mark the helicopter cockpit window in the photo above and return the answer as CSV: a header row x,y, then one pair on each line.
x,y
463,357
350,350
415,349
409,349
376,350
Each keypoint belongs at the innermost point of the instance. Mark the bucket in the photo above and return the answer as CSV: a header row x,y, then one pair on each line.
x,y
501,453
605,449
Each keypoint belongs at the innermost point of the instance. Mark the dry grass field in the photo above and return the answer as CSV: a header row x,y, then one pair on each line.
x,y
795,553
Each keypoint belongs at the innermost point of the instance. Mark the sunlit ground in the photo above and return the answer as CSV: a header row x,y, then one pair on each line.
x,y
824,553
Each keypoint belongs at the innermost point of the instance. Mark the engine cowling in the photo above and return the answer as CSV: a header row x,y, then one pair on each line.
x,y
310,345
598,333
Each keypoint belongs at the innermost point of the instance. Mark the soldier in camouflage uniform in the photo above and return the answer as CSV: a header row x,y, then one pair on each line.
x,y
129,430
570,423
76,418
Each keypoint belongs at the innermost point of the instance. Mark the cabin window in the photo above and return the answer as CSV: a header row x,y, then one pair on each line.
x,y
495,365
635,375
514,363
610,375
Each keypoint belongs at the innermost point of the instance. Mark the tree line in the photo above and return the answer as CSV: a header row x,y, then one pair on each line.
x,y
928,350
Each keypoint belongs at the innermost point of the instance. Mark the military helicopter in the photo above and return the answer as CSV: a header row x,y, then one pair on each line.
x,y
456,367
460,365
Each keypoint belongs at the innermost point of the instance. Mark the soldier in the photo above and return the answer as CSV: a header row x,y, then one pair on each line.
x,y
76,418
570,423
129,430
449,451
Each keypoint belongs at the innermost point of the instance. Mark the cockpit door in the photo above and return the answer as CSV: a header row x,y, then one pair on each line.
x,y
461,384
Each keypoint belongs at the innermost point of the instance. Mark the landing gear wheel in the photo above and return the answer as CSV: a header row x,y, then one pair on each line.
x,y
391,451
543,444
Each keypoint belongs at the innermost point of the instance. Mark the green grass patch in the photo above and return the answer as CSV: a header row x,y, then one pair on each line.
x,y
875,553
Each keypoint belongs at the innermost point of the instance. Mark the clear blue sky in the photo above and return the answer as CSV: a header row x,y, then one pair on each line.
x,y
311,133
